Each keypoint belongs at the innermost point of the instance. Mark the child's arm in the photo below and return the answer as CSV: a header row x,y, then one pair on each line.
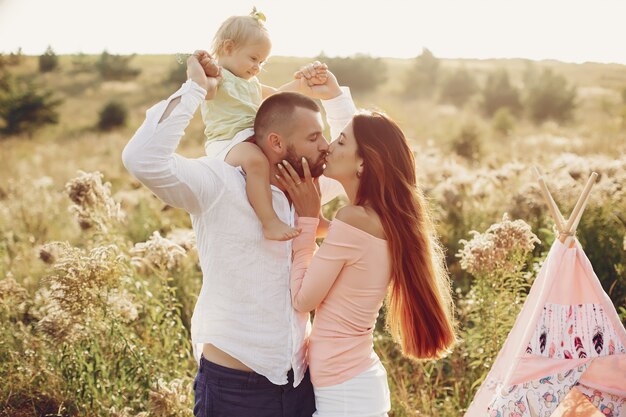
x,y
267,91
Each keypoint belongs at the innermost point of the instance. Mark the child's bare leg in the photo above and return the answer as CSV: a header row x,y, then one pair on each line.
x,y
257,169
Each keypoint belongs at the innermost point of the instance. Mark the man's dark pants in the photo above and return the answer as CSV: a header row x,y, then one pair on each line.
x,y
225,392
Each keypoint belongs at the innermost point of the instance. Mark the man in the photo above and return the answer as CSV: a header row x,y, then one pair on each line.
x,y
253,342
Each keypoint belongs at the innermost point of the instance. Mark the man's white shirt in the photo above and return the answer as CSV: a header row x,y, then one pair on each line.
x,y
244,306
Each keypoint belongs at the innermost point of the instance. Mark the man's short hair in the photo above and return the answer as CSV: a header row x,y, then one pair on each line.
x,y
276,113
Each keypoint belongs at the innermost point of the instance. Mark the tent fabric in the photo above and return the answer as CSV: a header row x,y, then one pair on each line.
x,y
577,404
567,344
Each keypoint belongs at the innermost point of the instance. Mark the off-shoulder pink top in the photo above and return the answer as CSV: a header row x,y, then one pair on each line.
x,y
345,283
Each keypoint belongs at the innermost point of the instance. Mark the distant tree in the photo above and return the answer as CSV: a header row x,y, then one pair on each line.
x,y
25,108
15,58
458,87
361,73
116,67
49,61
421,78
112,115
500,93
549,96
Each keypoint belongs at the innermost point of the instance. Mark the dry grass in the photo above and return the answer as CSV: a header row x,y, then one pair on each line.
x,y
137,360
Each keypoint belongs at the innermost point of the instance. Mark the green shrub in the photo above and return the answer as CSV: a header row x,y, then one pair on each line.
x,y
458,87
361,73
49,61
112,115
468,142
503,121
499,93
497,259
177,75
116,67
81,63
24,107
421,79
549,97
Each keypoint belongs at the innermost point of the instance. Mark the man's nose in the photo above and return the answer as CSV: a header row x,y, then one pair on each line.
x,y
323,145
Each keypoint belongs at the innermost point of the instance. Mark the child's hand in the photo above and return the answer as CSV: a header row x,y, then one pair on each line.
x,y
315,73
211,69
322,85
198,65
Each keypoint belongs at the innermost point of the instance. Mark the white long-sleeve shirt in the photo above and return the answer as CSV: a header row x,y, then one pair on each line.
x,y
244,306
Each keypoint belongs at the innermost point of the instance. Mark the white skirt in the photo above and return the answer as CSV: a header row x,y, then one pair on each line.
x,y
365,395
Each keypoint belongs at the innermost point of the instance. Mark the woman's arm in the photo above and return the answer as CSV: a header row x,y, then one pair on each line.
x,y
312,277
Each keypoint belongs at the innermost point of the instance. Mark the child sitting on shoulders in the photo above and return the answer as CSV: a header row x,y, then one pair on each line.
x,y
241,47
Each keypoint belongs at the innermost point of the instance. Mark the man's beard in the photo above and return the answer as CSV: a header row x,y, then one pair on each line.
x,y
317,167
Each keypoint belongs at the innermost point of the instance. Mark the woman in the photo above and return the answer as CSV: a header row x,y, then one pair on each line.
x,y
381,243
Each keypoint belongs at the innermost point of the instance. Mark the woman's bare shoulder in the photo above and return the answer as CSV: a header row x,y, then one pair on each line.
x,y
362,218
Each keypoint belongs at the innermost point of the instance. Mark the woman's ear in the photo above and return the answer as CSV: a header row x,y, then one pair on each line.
x,y
359,170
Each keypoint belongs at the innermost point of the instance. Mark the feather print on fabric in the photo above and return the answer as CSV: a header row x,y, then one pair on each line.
x,y
529,349
567,354
542,341
598,340
552,350
611,347
580,350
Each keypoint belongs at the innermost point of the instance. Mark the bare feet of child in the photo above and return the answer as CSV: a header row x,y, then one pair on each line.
x,y
277,230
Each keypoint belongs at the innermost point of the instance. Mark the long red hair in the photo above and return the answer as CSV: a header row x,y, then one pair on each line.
x,y
419,302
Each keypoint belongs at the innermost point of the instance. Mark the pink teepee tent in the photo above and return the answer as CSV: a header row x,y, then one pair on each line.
x,y
566,353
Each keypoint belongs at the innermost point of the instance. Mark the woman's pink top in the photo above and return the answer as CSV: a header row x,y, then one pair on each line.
x,y
345,283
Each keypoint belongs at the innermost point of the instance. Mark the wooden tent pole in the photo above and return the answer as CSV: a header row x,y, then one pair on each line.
x,y
582,201
554,209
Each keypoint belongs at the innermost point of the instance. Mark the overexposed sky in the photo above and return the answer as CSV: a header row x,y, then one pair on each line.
x,y
573,31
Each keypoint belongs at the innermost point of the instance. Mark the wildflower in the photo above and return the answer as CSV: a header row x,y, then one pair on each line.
x,y
508,171
121,304
49,252
171,398
60,325
93,203
13,296
500,248
79,287
157,252
528,201
43,182
126,412
185,238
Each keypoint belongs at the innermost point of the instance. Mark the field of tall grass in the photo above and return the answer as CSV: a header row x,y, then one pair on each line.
x,y
98,278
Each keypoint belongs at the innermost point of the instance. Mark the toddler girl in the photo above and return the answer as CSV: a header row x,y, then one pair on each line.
x,y
241,47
